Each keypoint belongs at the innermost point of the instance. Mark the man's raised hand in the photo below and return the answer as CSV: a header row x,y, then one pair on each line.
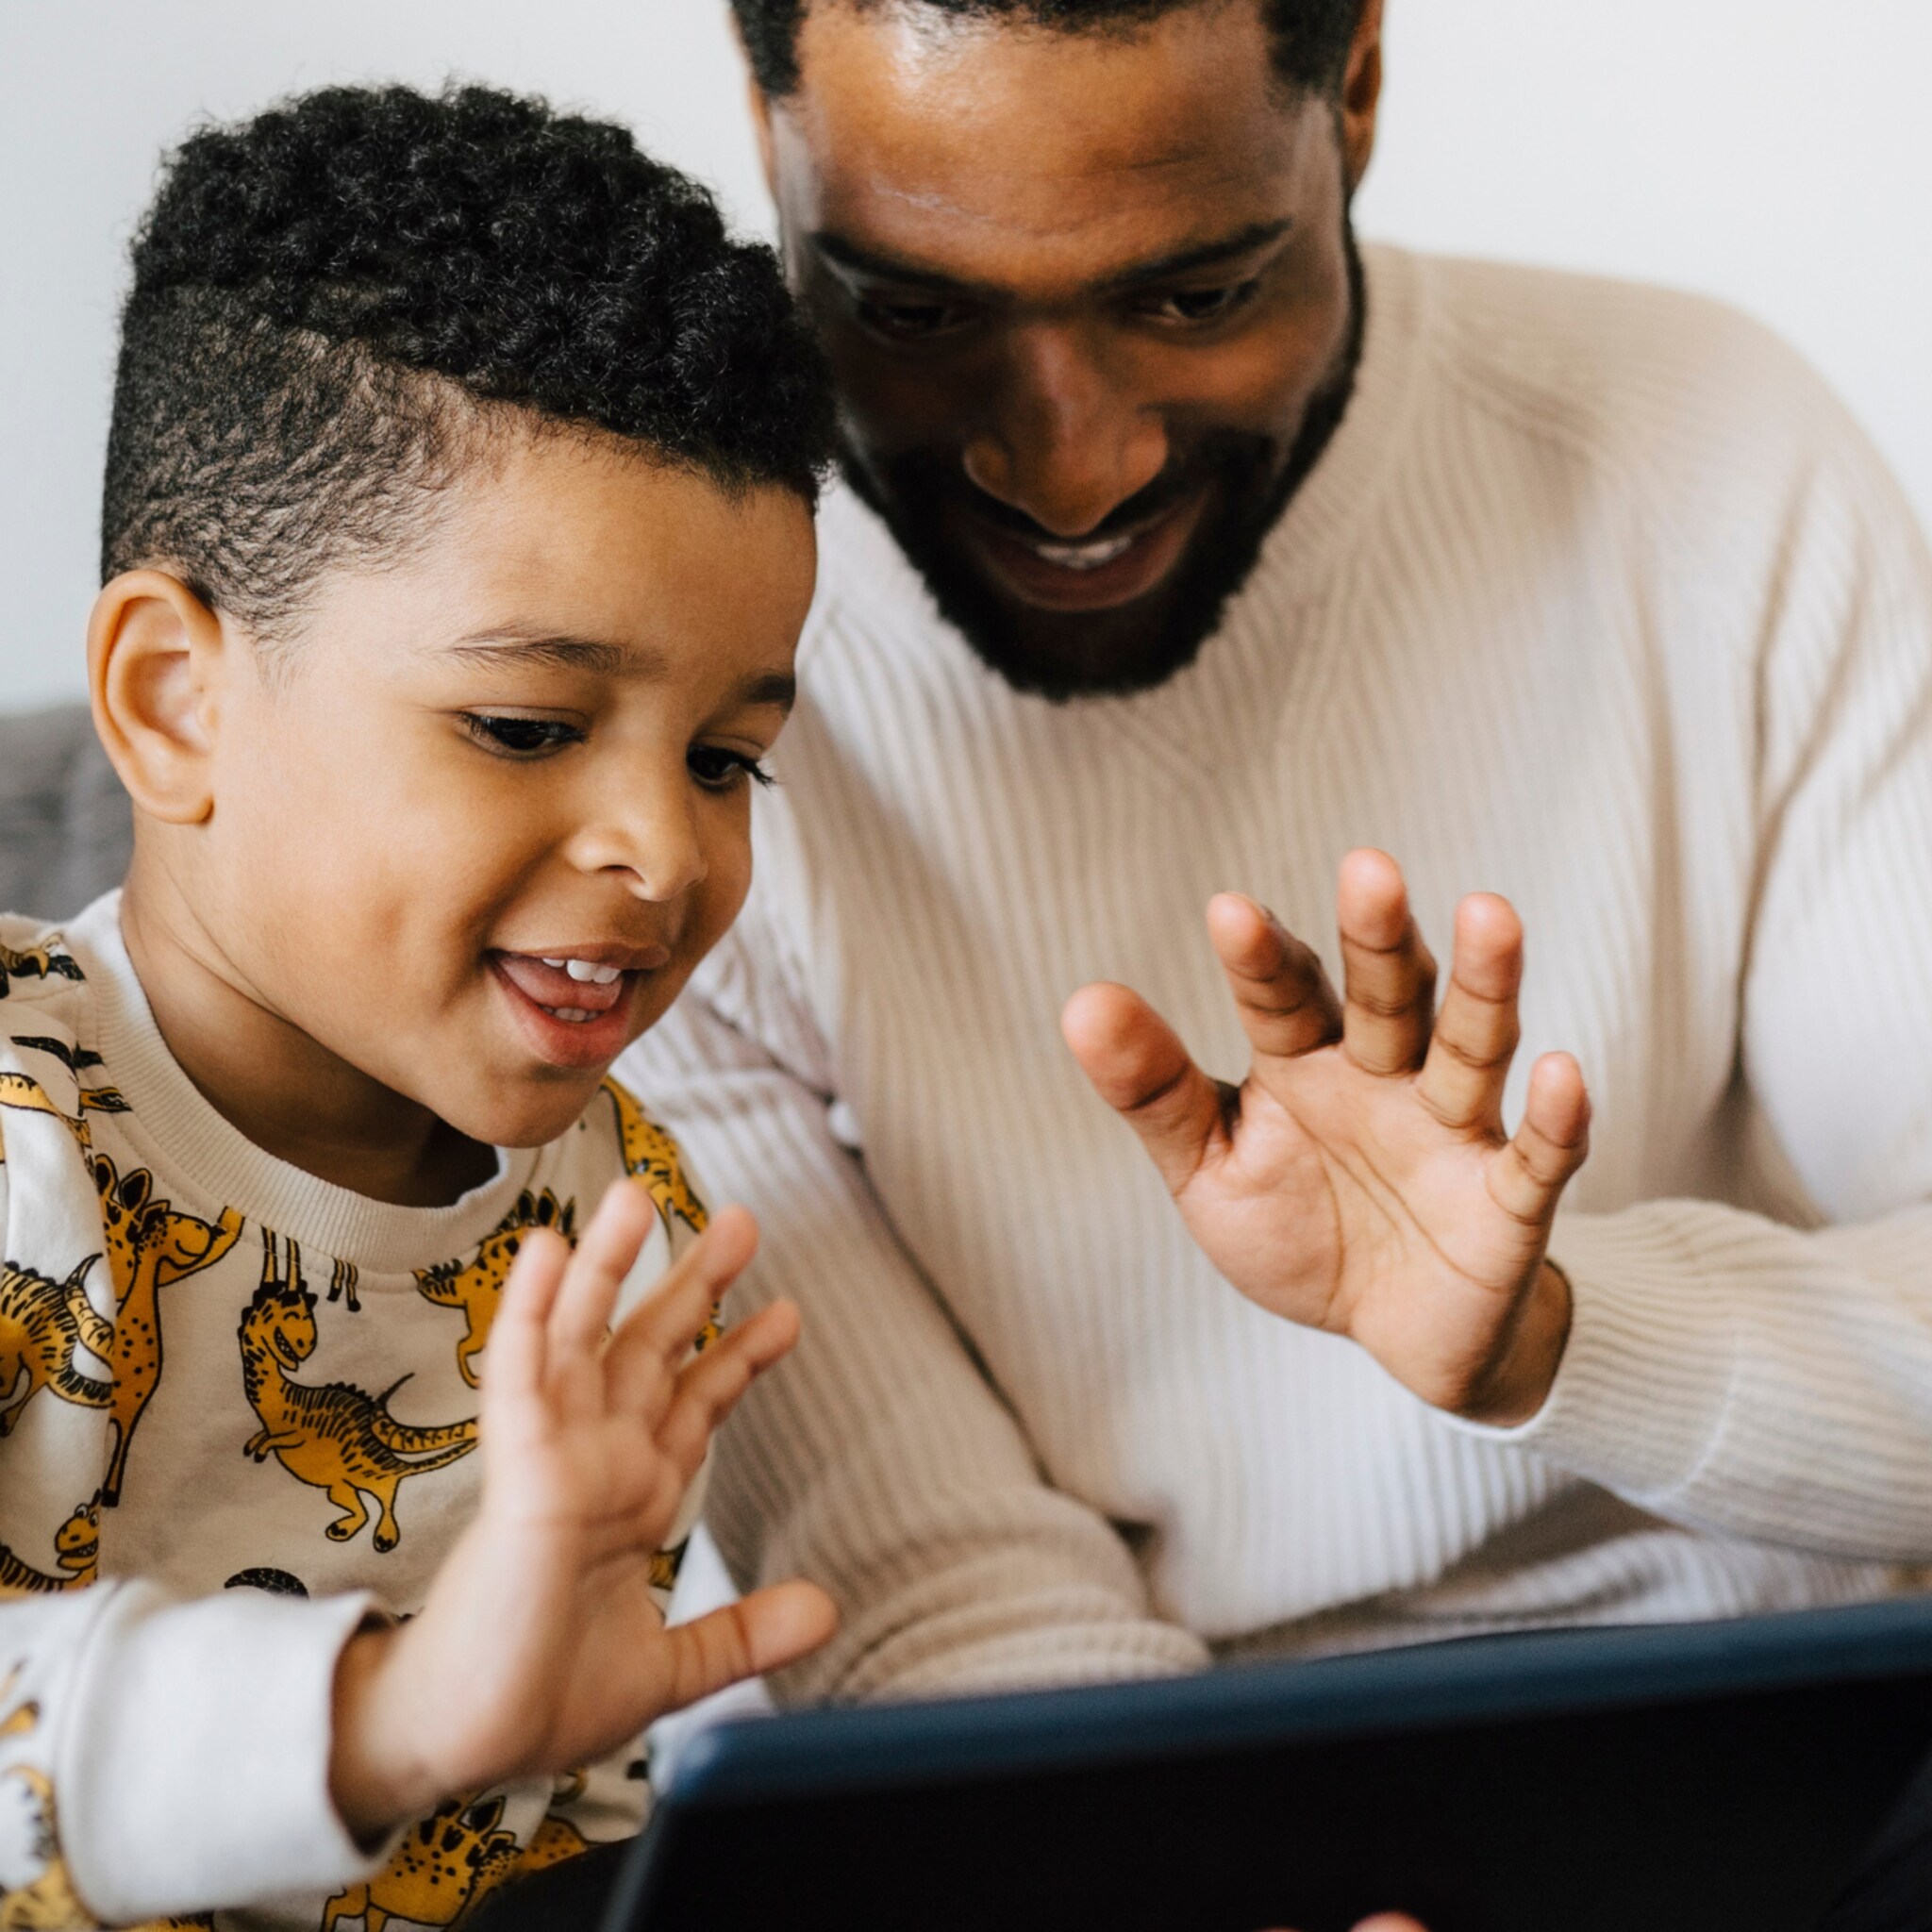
x,y
1360,1180
540,1645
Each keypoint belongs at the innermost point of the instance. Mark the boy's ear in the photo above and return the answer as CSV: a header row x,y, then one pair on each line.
x,y
156,654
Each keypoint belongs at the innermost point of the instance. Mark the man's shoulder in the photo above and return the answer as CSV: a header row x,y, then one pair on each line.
x,y
1660,381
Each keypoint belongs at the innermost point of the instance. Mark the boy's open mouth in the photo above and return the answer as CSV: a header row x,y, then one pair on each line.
x,y
574,1004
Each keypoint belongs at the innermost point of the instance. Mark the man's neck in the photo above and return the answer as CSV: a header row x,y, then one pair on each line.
x,y
273,1083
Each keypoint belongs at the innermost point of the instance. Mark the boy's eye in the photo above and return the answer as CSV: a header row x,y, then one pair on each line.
x,y
520,738
719,770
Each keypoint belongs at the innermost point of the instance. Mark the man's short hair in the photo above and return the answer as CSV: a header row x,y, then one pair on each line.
x,y
1311,37
336,303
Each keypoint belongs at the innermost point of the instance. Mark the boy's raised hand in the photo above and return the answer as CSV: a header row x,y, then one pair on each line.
x,y
539,1647
1360,1180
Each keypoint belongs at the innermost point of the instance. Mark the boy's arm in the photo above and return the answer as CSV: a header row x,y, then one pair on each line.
x,y
881,1463
169,1757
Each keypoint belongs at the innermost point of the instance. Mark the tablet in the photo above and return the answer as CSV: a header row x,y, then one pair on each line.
x,y
1685,1778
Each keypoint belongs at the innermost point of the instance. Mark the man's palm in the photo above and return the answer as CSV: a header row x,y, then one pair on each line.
x,y
1359,1181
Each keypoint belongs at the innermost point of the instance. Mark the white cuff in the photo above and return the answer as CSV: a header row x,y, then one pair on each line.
x,y
197,1754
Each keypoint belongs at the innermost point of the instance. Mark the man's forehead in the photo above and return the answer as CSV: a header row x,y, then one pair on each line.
x,y
939,142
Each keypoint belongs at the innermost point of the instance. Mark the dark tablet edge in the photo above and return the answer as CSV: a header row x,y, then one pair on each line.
x,y
1470,1680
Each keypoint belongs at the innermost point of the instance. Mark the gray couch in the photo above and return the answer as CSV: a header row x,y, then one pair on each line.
x,y
65,830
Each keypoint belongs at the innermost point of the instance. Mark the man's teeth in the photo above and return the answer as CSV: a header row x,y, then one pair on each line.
x,y
585,973
1083,556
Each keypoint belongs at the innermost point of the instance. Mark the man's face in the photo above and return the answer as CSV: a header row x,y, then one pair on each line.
x,y
475,838
1092,303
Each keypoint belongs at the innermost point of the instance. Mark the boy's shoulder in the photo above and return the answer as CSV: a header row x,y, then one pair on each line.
x,y
48,1063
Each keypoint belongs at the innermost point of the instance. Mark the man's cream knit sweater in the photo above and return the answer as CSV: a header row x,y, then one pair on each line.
x,y
1597,600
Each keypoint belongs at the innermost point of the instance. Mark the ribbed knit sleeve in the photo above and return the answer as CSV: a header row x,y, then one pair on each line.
x,y
877,1460
1730,1371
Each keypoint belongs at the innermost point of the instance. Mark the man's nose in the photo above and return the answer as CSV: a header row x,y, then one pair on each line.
x,y
1064,440
652,835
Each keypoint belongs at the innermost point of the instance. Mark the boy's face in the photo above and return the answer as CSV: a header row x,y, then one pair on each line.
x,y
473,836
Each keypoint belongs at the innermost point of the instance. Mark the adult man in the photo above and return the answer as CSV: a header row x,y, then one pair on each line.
x,y
1191,548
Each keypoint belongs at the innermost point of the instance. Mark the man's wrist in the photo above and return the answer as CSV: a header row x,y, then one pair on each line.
x,y
1521,1381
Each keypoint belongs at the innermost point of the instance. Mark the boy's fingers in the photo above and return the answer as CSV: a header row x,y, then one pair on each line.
x,y
657,1334
1286,1005
764,1631
603,1257
1389,978
1476,1032
711,1387
518,1356
1138,1066
1528,1177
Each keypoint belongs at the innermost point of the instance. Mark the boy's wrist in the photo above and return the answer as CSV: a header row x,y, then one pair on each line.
x,y
376,1780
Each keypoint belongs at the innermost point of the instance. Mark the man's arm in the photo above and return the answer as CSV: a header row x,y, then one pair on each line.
x,y
882,1464
1727,1369
1734,1371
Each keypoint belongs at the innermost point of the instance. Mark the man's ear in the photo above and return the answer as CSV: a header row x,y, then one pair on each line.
x,y
1361,93
155,656
760,109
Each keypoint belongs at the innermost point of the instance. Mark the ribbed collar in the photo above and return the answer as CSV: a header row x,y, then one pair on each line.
x,y
175,1130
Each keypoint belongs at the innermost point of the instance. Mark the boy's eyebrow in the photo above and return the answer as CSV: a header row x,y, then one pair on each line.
x,y
569,654
840,252
611,661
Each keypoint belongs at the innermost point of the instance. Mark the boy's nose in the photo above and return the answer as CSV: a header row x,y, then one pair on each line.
x,y
654,841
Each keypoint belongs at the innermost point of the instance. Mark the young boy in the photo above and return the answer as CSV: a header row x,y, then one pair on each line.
x,y
458,537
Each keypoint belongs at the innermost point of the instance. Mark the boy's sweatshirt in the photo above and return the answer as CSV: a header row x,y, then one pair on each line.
x,y
236,1418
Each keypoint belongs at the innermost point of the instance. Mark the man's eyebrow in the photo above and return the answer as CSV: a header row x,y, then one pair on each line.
x,y
842,253
565,653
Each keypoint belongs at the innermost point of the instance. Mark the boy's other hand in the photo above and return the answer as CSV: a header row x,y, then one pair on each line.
x,y
541,1646
1360,1180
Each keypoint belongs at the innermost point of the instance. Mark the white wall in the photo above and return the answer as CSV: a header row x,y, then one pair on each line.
x,y
1775,152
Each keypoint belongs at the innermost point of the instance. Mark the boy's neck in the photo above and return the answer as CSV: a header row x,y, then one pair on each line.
x,y
272,1082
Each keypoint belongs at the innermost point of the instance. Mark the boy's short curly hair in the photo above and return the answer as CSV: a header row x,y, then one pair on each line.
x,y
1311,36
334,301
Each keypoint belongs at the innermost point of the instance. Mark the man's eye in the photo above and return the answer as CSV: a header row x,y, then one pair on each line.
x,y
911,321
1196,306
718,770
520,738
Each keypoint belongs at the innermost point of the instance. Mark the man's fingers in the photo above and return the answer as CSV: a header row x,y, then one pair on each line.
x,y
1388,979
764,1631
657,1334
1476,1033
1141,1069
1286,1005
709,1388
1528,1175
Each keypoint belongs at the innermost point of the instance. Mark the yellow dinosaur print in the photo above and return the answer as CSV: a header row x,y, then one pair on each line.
x,y
27,1095
151,1244
650,1154
76,1551
476,1286
44,1325
443,1866
334,1438
37,962
554,1843
48,1904
665,1565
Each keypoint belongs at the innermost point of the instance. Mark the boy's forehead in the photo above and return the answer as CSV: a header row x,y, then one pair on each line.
x,y
561,553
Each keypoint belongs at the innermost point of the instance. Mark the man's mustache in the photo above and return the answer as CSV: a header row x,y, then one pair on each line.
x,y
940,485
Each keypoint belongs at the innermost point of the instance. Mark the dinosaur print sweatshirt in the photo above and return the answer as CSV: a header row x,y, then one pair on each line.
x,y
236,1415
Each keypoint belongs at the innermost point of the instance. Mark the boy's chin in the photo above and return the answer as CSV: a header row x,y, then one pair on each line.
x,y
513,1112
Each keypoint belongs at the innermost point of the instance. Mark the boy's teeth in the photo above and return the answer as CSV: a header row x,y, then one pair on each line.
x,y
554,965
584,973
1084,556
576,1013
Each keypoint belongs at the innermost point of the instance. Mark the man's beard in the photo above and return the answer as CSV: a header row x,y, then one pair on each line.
x,y
1244,479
